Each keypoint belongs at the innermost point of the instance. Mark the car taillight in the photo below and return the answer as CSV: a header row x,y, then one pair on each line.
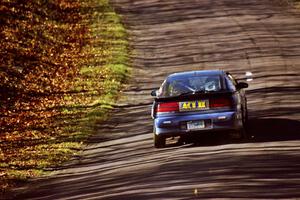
x,y
167,107
220,102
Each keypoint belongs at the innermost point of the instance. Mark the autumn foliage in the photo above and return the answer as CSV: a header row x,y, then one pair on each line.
x,y
38,59
41,58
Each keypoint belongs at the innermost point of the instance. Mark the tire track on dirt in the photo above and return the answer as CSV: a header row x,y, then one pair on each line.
x,y
170,36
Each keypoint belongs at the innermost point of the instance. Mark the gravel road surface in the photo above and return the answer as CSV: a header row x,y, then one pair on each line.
x,y
169,36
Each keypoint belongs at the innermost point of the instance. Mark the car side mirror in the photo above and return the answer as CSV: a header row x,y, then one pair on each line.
x,y
154,93
249,76
242,85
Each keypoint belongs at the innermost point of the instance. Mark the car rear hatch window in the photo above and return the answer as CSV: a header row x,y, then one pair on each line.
x,y
190,85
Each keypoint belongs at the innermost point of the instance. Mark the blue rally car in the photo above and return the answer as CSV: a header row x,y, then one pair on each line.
x,y
195,102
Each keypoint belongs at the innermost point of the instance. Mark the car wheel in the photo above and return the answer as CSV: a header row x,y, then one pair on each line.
x,y
245,119
159,141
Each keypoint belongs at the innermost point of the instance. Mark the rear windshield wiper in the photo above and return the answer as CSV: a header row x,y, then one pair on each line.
x,y
193,92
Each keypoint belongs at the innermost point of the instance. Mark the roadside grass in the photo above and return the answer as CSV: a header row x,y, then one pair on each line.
x,y
103,70
293,3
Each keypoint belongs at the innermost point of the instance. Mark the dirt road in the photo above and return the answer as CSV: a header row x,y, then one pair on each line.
x,y
169,36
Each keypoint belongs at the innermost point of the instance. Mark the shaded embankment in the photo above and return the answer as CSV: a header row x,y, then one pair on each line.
x,y
62,64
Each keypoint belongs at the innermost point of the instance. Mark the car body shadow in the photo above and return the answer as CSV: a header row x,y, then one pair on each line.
x,y
273,129
257,130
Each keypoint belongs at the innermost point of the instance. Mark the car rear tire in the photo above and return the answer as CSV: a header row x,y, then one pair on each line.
x,y
245,117
159,141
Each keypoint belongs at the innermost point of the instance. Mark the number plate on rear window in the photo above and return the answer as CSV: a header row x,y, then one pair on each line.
x,y
193,105
194,125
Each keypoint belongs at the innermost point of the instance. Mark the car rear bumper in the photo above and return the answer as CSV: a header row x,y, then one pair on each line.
x,y
177,125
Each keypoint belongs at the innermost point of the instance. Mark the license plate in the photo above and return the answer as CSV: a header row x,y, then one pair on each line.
x,y
193,105
194,125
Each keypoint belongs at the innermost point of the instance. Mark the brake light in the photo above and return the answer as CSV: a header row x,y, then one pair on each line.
x,y
220,102
167,107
